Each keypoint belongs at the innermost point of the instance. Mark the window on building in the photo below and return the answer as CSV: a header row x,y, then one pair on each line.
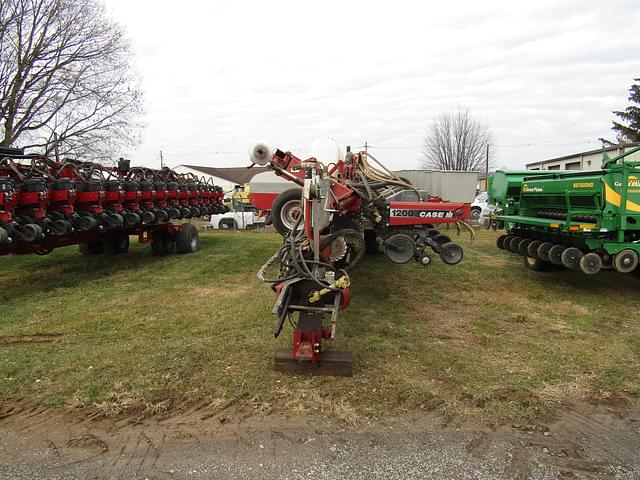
x,y
572,166
553,167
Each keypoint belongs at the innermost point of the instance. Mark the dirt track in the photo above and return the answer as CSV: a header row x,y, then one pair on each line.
x,y
577,442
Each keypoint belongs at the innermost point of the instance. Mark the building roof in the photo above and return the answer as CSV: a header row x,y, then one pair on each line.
x,y
590,152
237,175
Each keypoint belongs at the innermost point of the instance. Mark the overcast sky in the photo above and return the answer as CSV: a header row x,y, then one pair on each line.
x,y
543,75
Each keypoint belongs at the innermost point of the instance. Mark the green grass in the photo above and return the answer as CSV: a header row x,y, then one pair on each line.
x,y
486,338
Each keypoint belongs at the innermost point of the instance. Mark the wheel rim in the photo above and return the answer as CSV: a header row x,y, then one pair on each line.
x,y
290,212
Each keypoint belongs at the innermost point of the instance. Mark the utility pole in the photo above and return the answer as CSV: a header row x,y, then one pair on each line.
x,y
161,160
365,146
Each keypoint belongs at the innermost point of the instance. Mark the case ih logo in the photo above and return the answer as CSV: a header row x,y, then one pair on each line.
x,y
403,212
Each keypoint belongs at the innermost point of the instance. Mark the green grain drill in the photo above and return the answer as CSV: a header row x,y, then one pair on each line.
x,y
581,220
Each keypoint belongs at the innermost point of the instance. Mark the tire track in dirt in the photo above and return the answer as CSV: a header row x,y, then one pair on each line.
x,y
580,440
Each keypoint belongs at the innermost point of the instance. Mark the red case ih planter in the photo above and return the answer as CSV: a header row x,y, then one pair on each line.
x,y
46,204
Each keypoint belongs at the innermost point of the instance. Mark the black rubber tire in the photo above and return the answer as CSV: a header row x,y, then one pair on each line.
x,y
227,224
591,263
281,201
500,241
451,253
555,254
187,240
532,249
570,258
371,246
116,246
523,245
625,261
474,216
432,232
162,244
441,238
91,248
535,264
543,251
513,244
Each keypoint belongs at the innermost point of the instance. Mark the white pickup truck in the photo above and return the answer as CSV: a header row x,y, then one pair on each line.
x,y
236,221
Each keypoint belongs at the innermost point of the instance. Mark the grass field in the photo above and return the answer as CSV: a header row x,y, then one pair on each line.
x,y
487,338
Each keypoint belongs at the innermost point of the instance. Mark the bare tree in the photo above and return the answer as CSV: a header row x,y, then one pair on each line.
x,y
66,81
457,141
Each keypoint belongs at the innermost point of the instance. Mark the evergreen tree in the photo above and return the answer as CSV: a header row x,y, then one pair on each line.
x,y
631,116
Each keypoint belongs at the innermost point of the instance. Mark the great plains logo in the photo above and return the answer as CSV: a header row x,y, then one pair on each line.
x,y
582,184
632,181
404,212
527,189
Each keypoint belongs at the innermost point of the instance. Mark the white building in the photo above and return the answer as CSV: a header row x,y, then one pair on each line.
x,y
591,160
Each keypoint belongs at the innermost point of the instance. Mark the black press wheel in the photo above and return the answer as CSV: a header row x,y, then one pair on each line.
x,y
591,263
532,249
513,244
286,209
555,254
451,253
187,240
543,251
501,241
441,238
523,246
570,258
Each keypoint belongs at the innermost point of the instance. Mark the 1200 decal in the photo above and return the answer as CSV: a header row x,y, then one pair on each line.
x,y
403,212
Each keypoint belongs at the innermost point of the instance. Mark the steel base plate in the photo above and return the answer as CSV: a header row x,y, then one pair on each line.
x,y
332,363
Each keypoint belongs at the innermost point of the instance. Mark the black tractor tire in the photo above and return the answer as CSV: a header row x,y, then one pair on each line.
x,y
280,219
535,264
475,214
116,246
227,224
162,244
187,240
371,245
91,248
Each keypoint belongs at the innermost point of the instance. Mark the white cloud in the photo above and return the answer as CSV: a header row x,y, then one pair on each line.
x,y
545,76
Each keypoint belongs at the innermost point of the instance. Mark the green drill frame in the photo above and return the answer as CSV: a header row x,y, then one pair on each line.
x,y
591,210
